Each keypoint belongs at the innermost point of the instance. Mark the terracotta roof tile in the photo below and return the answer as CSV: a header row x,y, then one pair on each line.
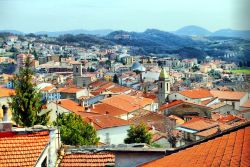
x,y
119,89
105,121
87,159
169,105
98,84
103,108
47,88
70,105
69,90
229,118
127,102
5,92
196,93
159,121
198,123
21,150
229,95
228,150
179,102
207,132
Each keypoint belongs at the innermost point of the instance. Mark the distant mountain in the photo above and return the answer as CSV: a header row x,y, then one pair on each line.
x,y
232,33
12,32
101,32
192,31
154,41
150,37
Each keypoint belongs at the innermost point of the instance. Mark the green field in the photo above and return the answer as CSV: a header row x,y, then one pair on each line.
x,y
241,71
6,54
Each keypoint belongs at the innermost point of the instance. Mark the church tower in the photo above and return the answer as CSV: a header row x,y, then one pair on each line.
x,y
163,86
77,72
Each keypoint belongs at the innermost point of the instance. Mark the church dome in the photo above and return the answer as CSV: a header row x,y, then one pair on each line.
x,y
138,67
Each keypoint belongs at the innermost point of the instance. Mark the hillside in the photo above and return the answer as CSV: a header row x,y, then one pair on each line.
x,y
232,33
192,31
152,40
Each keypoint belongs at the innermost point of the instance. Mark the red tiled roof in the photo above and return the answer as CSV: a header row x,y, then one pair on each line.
x,y
87,159
127,102
119,89
152,96
156,120
178,102
22,150
69,90
98,83
5,92
228,150
169,105
70,105
198,123
103,108
47,88
196,93
229,118
207,132
104,121
229,95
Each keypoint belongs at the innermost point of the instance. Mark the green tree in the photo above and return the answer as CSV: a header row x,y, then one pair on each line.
x,y
115,79
75,131
35,54
195,68
27,104
138,134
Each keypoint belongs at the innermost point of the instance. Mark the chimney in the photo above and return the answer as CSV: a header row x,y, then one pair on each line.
x,y
106,113
5,126
87,109
5,113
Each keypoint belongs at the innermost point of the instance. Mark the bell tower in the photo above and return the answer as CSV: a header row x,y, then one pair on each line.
x,y
163,86
77,71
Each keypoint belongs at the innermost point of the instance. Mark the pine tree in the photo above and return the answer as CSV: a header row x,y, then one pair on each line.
x,y
138,134
75,131
27,104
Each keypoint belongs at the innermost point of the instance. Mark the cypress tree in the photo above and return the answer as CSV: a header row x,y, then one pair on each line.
x,y
26,104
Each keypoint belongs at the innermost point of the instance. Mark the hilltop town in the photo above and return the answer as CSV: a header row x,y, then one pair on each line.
x,y
191,106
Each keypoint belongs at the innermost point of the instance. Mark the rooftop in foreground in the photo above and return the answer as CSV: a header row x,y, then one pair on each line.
x,y
231,149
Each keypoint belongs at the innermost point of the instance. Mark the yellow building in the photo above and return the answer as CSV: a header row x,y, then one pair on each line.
x,y
108,77
5,94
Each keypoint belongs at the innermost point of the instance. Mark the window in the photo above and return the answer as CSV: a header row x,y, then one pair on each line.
x,y
233,103
161,85
107,140
77,69
44,163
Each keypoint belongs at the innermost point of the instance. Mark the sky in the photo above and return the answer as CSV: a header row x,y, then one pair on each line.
x,y
131,15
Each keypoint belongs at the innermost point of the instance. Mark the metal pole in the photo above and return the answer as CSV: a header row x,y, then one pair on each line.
x,y
58,131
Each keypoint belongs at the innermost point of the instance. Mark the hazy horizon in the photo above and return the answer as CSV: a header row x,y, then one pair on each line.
x,y
31,16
